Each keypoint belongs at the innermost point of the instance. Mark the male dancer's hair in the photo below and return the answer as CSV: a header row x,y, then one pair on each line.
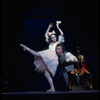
x,y
62,45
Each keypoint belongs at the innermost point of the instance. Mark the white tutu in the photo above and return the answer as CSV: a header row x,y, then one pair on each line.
x,y
47,61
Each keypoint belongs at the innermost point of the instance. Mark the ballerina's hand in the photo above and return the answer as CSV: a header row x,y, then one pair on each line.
x,y
51,24
58,22
24,47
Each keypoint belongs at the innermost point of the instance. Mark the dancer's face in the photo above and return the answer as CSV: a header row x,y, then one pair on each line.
x,y
78,51
59,50
53,38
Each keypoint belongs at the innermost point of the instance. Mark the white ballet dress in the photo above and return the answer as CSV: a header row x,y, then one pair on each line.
x,y
48,59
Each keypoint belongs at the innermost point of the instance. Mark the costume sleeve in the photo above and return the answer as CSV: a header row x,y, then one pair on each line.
x,y
71,57
47,40
61,38
82,58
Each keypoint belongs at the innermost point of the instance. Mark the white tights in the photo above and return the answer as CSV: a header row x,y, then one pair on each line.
x,y
29,50
47,75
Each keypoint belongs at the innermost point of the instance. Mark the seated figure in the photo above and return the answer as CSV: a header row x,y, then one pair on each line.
x,y
82,75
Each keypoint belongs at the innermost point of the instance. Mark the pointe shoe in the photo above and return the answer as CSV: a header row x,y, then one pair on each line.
x,y
51,90
24,47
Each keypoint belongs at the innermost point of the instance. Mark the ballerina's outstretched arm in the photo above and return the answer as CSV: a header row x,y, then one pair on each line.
x,y
29,50
47,32
57,24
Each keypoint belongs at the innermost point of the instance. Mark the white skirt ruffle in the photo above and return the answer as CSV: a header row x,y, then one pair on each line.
x,y
47,61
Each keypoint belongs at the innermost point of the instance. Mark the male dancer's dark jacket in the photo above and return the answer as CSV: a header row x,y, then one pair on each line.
x,y
64,68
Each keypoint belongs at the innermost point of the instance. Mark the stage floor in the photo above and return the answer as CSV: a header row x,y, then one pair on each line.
x,y
57,95
56,92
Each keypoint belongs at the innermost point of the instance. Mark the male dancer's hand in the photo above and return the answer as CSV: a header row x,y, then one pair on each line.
x,y
68,60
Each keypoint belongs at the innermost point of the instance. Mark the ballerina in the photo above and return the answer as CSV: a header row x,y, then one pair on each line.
x,y
46,61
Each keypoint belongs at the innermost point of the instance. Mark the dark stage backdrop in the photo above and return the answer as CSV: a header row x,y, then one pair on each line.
x,y
26,22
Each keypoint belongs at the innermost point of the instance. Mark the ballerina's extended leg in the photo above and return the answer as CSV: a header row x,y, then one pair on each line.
x,y
46,73
29,50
